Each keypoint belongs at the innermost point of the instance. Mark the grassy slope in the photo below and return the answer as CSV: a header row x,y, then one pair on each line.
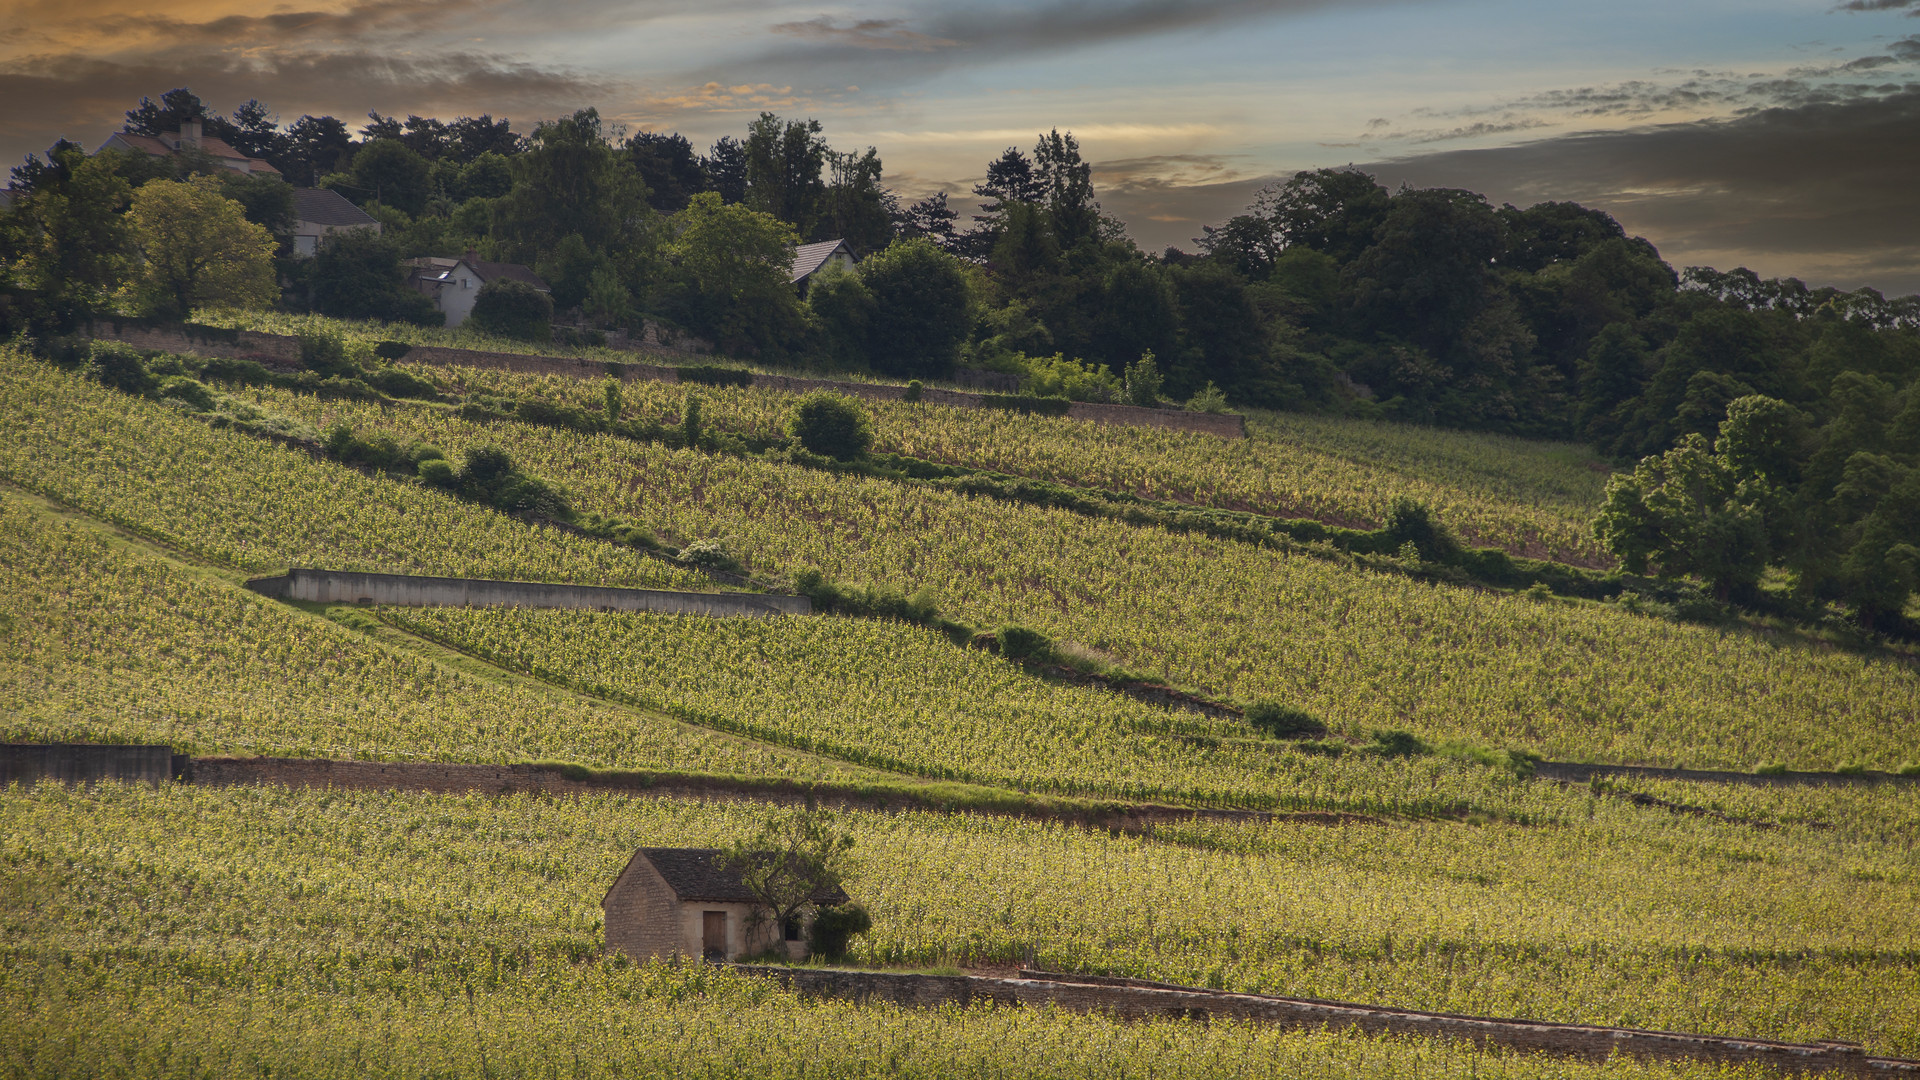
x,y
1533,498
1618,915
1575,681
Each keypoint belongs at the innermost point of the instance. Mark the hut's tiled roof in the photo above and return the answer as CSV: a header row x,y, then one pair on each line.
x,y
808,258
324,206
692,875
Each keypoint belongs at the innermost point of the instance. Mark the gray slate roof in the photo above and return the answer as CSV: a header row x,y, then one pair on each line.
x,y
324,206
690,873
808,258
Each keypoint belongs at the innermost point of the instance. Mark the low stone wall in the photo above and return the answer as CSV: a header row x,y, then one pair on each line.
x,y
85,763
405,590
1580,773
1136,1000
286,347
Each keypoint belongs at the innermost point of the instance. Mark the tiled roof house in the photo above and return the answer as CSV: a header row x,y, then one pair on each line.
x,y
319,212
189,137
810,259
454,283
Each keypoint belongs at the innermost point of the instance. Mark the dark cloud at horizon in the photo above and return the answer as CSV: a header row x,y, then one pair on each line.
x,y
1823,192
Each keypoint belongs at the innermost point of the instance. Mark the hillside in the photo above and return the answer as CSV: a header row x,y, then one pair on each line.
x,y
295,925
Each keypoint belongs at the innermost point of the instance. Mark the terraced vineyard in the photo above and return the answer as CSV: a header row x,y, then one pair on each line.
x,y
1532,498
356,913
1366,651
105,642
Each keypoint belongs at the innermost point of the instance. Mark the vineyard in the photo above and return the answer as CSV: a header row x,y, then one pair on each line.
x,y
1577,681
375,900
106,643
208,931
1526,497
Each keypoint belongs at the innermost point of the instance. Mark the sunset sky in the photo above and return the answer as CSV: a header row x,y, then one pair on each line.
x,y
1779,134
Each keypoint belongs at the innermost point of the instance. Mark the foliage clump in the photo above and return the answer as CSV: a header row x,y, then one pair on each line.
x,y
831,425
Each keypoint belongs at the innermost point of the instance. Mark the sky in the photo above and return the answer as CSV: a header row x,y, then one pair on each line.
x,y
1783,135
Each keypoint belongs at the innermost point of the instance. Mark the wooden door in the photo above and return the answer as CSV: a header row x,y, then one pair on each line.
x,y
713,935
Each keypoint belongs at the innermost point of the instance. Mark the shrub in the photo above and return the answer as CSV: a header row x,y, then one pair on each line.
x,y
241,372
690,422
391,350
1208,400
914,390
710,555
1143,381
613,403
182,389
834,928
522,494
1284,721
513,309
1410,522
439,472
403,384
326,355
1397,744
831,425
1022,643
1027,403
118,365
487,469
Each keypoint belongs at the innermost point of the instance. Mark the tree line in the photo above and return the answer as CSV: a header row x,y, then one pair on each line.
x,y
1329,293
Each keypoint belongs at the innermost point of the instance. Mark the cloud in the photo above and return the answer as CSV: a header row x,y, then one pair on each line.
x,y
1821,190
83,98
1880,5
865,34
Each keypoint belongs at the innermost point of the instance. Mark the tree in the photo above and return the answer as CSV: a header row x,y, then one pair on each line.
x,y
726,169
1010,179
791,865
921,309
198,249
387,172
784,160
316,146
856,208
1334,211
513,309
68,234
357,274
842,308
932,219
726,275
672,171
831,425
572,181
1066,185
1687,512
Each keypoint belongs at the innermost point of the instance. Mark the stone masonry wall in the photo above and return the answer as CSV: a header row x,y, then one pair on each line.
x,y
1222,425
1131,1000
84,763
344,587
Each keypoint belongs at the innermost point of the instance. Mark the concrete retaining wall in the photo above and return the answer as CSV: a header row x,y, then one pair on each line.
x,y
287,348
1135,1000
405,590
85,763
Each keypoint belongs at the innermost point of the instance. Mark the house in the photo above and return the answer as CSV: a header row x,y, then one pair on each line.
x,y
318,212
187,138
454,283
810,259
676,902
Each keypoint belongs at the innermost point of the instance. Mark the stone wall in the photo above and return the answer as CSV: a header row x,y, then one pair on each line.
x,y
1136,1000
405,590
284,347
85,763
1580,773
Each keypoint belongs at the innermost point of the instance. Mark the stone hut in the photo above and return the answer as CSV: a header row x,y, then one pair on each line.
x,y
676,902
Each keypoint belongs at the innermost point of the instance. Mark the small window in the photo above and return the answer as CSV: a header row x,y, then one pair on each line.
x,y
793,929
305,245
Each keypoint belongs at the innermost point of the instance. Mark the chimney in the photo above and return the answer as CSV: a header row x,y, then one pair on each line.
x,y
190,133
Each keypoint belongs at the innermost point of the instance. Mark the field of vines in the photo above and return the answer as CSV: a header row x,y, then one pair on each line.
x,y
895,696
1532,498
244,502
361,913
1366,651
104,642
